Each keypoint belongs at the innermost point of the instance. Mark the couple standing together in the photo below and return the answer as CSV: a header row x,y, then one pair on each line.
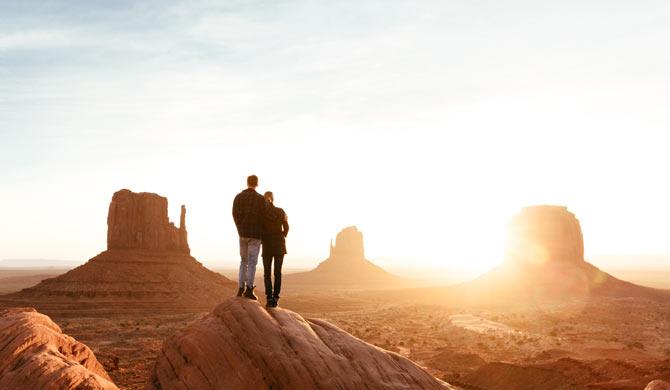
x,y
259,222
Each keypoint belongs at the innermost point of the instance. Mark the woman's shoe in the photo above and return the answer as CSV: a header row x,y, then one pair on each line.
x,y
249,293
270,302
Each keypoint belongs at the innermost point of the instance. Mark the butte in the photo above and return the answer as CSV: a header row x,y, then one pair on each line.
x,y
347,267
544,260
147,266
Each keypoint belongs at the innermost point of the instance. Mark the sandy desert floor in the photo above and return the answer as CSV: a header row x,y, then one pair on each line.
x,y
601,343
605,344
16,279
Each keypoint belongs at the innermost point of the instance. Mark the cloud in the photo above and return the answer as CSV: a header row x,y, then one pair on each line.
x,y
38,40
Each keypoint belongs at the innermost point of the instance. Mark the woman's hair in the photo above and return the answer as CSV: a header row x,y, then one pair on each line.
x,y
269,196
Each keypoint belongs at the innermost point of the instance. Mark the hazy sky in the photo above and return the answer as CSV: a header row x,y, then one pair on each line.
x,y
426,123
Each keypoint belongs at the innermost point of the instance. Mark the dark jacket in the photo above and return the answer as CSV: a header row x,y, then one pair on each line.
x,y
248,211
275,230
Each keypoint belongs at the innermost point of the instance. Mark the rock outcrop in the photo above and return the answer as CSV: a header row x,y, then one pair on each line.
x,y
658,385
241,345
140,221
35,354
543,234
147,264
347,267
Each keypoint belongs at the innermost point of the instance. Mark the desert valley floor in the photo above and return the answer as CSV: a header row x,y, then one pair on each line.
x,y
596,343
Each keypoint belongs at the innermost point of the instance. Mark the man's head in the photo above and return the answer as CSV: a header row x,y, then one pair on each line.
x,y
269,197
252,181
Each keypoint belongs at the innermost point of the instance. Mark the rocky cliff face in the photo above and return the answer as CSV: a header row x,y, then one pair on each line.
x,y
140,221
242,345
348,244
545,234
35,354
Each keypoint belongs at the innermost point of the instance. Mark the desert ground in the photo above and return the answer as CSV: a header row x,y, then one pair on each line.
x,y
595,343
15,279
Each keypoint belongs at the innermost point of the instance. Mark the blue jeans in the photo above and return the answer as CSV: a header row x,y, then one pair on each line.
x,y
249,250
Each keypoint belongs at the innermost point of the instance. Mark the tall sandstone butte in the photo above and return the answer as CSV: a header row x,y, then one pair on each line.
x,y
347,266
147,264
544,260
545,234
140,221
348,244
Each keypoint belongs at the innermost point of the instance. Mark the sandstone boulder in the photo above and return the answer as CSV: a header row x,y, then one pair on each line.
x,y
658,385
242,345
35,354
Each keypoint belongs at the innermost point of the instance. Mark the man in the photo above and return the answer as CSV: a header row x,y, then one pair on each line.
x,y
248,211
275,230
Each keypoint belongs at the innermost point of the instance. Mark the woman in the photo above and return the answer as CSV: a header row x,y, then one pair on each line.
x,y
275,230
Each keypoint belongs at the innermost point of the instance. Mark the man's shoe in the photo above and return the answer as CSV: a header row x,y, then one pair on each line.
x,y
249,293
270,302
240,291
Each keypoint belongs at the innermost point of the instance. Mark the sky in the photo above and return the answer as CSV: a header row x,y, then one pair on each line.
x,y
428,124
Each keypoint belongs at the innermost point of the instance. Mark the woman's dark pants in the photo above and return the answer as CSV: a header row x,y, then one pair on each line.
x,y
267,271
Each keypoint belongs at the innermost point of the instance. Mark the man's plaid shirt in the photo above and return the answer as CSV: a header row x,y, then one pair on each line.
x,y
248,210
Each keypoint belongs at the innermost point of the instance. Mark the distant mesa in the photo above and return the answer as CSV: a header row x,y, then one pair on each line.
x,y
140,221
35,354
348,249
542,234
349,244
147,262
241,345
347,266
544,259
